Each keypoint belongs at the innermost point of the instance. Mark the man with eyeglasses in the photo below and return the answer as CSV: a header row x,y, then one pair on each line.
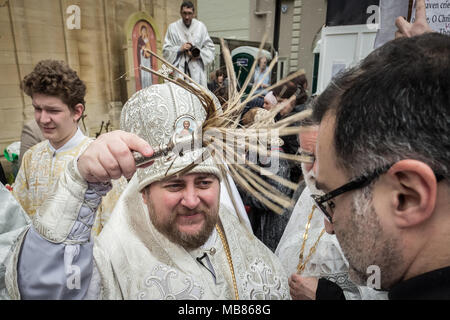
x,y
313,258
383,162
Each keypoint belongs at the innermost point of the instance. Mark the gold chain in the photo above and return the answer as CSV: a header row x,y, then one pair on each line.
x,y
230,261
302,264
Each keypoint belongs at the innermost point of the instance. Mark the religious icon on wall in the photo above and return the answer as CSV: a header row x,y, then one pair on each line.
x,y
144,41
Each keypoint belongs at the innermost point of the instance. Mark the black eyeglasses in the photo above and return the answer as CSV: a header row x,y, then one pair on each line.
x,y
326,206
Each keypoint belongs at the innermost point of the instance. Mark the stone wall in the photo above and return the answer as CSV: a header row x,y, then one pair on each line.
x,y
32,30
312,18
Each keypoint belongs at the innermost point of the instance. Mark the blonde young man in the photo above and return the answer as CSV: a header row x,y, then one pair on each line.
x,y
169,236
57,95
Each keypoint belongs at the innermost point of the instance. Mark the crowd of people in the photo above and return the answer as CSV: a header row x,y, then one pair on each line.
x,y
369,219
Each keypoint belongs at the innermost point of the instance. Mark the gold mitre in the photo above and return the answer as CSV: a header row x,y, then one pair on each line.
x,y
157,114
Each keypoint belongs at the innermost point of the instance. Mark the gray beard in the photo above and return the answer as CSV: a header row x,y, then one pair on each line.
x,y
385,249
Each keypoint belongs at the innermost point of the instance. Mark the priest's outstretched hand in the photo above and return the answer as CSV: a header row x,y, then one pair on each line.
x,y
110,156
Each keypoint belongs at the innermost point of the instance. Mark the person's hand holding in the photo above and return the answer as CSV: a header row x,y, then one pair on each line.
x,y
303,288
186,47
420,25
110,156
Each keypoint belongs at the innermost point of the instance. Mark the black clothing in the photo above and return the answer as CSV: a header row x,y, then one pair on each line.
x,y
267,225
291,145
433,285
2,176
328,290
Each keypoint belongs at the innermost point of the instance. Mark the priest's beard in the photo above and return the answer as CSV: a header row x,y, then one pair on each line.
x,y
168,227
365,243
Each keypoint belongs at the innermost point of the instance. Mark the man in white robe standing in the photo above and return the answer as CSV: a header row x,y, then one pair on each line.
x,y
188,46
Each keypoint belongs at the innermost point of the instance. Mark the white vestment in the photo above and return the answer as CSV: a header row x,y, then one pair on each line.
x,y
231,199
328,261
13,221
41,167
130,245
132,260
197,34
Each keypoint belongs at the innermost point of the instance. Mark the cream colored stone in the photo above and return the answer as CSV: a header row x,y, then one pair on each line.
x,y
95,52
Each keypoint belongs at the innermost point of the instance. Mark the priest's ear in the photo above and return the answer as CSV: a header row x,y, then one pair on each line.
x,y
415,191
